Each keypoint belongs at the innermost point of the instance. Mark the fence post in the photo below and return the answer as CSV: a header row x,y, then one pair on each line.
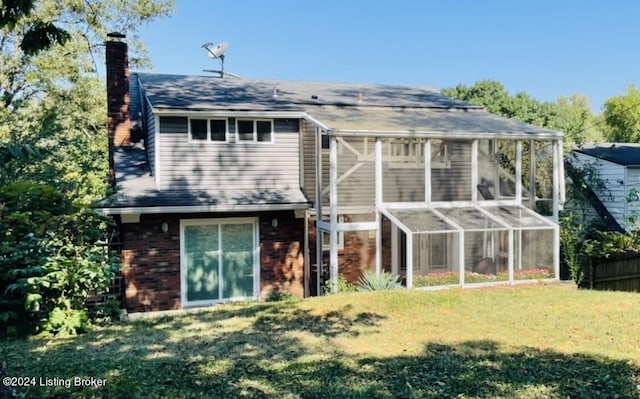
x,y
592,272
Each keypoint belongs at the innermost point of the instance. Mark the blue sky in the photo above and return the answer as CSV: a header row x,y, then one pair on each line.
x,y
544,48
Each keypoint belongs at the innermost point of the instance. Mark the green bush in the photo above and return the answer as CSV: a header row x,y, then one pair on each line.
x,y
51,256
343,286
66,322
278,296
370,281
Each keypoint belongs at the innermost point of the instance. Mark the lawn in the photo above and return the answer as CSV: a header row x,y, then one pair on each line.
x,y
540,341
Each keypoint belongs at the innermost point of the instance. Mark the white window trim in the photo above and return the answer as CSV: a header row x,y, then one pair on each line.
x,y
255,131
208,139
183,259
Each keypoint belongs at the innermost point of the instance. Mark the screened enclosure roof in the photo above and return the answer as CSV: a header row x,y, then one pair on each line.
x,y
471,219
468,219
464,123
519,217
421,221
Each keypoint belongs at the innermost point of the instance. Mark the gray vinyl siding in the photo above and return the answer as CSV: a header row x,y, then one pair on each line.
x,y
149,128
613,175
241,166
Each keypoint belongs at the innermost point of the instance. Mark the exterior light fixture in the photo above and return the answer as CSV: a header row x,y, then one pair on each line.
x,y
274,222
164,227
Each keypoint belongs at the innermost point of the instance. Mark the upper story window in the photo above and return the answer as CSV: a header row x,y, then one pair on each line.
x,y
208,129
254,130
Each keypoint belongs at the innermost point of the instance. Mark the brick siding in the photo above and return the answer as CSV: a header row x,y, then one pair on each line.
x,y
151,258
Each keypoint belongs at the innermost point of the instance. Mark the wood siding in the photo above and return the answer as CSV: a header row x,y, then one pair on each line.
x,y
242,166
614,193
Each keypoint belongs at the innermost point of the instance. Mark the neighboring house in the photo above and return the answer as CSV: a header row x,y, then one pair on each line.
x,y
616,183
232,189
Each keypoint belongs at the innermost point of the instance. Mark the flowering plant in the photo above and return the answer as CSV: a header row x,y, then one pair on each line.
x,y
453,277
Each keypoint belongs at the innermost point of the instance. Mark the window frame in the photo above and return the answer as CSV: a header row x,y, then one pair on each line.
x,y
208,139
255,131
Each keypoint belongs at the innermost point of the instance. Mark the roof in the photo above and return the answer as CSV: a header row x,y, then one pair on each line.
x,y
344,108
627,154
137,193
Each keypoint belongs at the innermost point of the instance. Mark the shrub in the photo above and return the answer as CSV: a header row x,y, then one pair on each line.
x,y
51,257
66,322
278,296
370,281
343,286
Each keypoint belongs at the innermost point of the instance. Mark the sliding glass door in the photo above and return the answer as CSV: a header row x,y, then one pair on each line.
x,y
219,260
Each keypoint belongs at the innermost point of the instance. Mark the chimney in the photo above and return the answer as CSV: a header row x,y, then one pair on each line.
x,y
119,123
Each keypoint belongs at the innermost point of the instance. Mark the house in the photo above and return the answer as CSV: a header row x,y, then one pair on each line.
x,y
615,182
229,189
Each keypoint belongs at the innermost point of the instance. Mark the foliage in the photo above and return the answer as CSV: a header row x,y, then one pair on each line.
x,y
608,243
622,116
453,277
279,296
67,322
51,257
38,35
342,286
571,115
572,241
370,281
525,342
54,100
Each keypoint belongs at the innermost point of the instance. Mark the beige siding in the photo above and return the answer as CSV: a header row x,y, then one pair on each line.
x,y
309,160
230,166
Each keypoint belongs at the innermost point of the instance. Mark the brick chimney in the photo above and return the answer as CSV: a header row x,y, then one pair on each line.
x,y
119,123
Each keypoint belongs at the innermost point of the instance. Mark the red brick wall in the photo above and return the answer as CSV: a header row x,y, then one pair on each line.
x,y
359,252
151,258
151,263
281,254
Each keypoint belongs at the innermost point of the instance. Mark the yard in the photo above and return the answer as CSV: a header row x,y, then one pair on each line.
x,y
550,341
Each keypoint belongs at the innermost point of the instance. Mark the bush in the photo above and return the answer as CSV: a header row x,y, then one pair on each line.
x,y
343,286
51,257
278,296
370,281
66,322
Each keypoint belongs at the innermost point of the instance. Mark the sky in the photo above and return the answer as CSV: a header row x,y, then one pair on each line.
x,y
545,48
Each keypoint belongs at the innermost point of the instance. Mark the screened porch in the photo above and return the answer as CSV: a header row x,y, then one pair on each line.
x,y
471,201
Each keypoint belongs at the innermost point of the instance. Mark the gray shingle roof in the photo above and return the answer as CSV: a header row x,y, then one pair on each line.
x,y
348,107
626,154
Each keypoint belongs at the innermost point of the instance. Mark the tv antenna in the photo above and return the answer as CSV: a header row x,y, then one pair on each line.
x,y
216,51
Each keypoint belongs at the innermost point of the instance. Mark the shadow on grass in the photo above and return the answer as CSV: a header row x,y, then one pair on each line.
x,y
282,351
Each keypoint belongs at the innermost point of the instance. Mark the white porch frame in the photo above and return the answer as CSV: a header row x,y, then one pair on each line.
x,y
333,226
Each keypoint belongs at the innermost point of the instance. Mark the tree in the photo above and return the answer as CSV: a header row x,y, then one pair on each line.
x,y
54,99
38,35
622,116
53,141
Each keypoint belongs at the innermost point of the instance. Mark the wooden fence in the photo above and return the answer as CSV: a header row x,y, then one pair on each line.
x,y
617,273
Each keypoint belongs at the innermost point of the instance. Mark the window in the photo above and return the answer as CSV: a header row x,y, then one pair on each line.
x,y
255,130
208,129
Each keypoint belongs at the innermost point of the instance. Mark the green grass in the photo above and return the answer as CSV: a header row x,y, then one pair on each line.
x,y
524,342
